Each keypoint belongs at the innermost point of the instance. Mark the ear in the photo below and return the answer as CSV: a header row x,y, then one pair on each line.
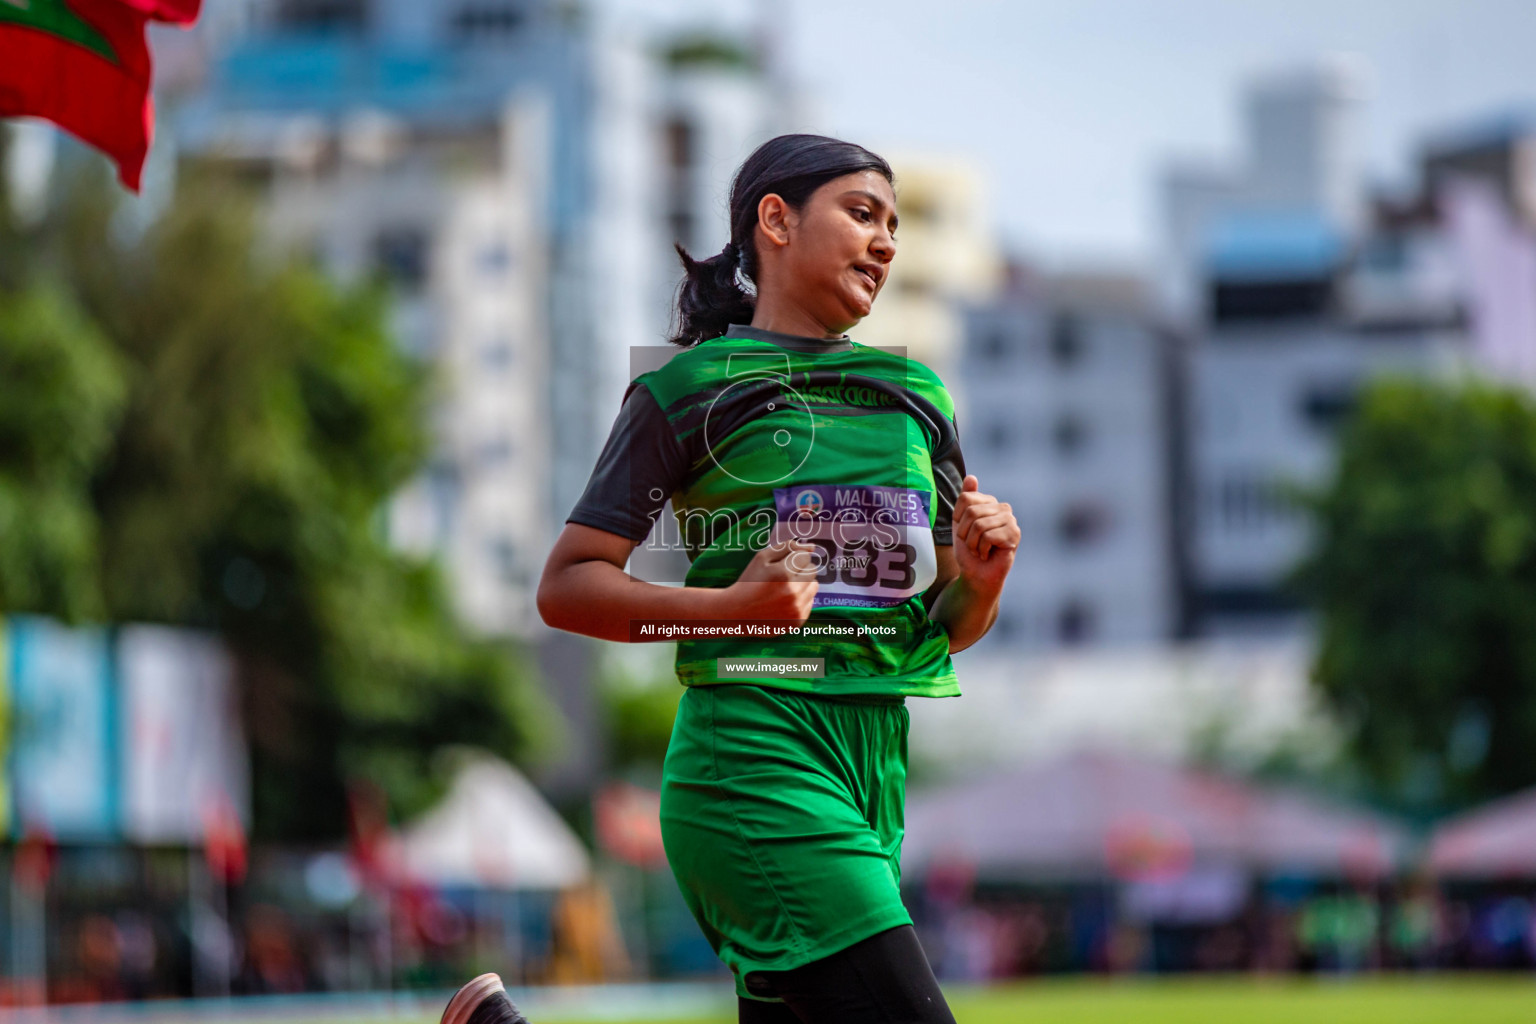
x,y
774,218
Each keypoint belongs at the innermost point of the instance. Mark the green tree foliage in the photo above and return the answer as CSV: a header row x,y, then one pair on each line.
x,y
640,695
60,397
1424,574
707,50
235,425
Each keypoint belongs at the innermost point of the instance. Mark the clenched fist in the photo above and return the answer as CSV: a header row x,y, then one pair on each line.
x,y
986,536
779,583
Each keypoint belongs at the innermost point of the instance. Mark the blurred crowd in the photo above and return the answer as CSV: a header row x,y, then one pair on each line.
x,y
1017,932
990,933
149,938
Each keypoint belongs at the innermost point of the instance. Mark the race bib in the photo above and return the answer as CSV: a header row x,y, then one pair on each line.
x,y
874,545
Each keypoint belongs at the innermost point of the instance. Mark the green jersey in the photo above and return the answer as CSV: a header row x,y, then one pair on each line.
x,y
764,437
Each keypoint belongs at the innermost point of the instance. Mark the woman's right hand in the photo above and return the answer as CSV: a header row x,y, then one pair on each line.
x,y
779,583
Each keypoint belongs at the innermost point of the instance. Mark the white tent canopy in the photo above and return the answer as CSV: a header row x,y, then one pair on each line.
x,y
1496,840
492,830
1070,814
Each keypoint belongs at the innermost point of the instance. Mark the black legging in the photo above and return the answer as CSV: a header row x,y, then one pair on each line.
x,y
885,979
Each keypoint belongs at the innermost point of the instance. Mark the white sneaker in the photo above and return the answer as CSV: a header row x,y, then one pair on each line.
x,y
482,1001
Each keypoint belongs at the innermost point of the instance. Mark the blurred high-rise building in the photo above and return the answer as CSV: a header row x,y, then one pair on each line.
x,y
714,111
1303,157
1071,415
518,169
1274,374
1303,141
1296,292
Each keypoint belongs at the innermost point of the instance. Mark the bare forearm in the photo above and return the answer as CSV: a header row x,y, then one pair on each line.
x,y
599,599
965,611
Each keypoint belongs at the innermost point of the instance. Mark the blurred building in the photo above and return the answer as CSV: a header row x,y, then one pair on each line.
x,y
1143,440
1071,415
1300,313
1476,211
452,216
518,169
1303,155
714,109
1298,325
1500,149
433,145
946,260
1296,290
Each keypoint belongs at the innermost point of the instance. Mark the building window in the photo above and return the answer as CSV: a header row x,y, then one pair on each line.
x,y
323,15
1241,504
1067,343
1075,622
494,258
494,453
679,143
681,221
999,435
1070,434
497,355
1004,627
444,493
994,345
1233,301
487,21
1081,523
401,253
504,558
1326,408
1249,501
1386,253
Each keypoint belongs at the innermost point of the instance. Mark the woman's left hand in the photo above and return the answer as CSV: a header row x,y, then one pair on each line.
x,y
986,537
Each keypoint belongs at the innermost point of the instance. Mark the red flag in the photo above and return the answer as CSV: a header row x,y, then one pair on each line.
x,y
35,854
224,844
629,823
84,65
177,12
368,831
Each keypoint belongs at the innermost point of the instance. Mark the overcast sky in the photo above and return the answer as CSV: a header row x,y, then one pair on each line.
x,y
1070,106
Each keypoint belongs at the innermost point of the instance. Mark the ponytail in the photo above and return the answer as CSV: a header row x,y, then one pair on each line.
x,y
711,297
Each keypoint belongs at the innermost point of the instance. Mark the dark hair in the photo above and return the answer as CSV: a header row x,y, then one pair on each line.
x,y
792,166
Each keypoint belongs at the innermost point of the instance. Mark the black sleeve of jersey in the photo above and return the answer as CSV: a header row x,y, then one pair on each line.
x,y
948,475
639,468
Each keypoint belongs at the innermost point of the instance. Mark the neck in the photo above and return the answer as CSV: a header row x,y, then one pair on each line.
x,y
773,314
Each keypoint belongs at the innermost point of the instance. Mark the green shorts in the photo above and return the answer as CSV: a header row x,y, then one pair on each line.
x,y
782,819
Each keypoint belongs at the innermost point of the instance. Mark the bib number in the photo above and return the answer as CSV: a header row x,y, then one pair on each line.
x,y
873,545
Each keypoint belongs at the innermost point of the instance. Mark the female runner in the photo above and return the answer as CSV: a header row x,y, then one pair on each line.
x,y
817,483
